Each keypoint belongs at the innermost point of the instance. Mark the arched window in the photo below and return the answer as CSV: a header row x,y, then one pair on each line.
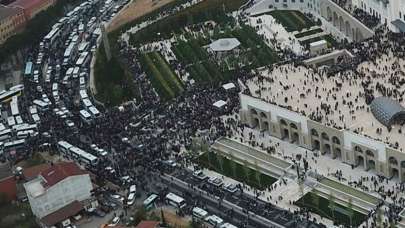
x,y
336,140
314,132
325,136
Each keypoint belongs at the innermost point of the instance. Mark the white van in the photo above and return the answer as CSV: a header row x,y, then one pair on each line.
x,y
131,199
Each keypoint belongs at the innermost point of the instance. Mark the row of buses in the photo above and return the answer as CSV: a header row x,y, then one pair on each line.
x,y
77,154
198,214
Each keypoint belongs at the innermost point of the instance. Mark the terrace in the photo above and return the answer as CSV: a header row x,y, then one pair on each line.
x,y
340,101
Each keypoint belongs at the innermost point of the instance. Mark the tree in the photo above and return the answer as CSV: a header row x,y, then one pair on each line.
x,y
162,217
350,211
221,163
233,164
332,204
258,174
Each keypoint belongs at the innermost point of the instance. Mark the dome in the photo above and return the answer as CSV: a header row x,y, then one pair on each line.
x,y
387,111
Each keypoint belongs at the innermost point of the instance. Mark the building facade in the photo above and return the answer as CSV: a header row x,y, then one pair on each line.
x,y
32,7
390,12
57,187
345,145
12,20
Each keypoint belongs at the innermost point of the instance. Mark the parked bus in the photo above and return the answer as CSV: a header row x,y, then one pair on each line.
x,y
28,69
85,116
149,203
199,214
83,59
175,200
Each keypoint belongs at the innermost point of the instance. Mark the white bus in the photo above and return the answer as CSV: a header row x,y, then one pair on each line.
x,y
227,225
52,35
69,72
175,200
35,118
41,105
214,220
94,112
149,203
76,71
83,59
83,46
19,120
10,121
83,94
199,213
85,116
14,144
5,134
14,106
82,83
54,86
64,147
87,103
25,134
81,155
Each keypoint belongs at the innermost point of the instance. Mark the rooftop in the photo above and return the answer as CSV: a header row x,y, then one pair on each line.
x,y
342,101
147,224
62,214
26,4
6,11
225,44
60,171
32,172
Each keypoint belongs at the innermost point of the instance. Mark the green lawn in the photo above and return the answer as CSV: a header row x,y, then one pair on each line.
x,y
163,79
16,215
205,70
308,33
350,190
292,20
235,170
322,206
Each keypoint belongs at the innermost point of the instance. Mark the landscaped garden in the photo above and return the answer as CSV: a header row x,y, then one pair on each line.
x,y
234,170
292,20
327,207
308,33
163,79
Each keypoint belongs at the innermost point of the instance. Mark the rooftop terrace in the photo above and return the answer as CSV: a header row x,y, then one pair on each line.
x,y
341,101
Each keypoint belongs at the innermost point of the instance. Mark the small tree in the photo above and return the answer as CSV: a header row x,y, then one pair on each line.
x,y
350,211
332,204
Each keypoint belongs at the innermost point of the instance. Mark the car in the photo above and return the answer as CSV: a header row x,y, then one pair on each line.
x,y
117,197
132,188
115,221
99,213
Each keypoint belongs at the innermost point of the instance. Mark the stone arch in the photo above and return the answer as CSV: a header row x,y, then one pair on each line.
x,y
393,161
341,24
266,126
335,19
295,138
293,126
253,111
263,115
255,122
283,122
325,136
347,29
338,153
314,132
327,148
336,140
370,153
353,34
358,149
329,14
371,164
360,161
316,145
359,36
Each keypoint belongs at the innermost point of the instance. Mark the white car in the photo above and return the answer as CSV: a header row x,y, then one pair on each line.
x,y
232,188
215,181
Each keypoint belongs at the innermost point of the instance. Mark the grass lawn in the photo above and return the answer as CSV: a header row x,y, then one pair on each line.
x,y
163,79
349,190
16,215
235,170
308,33
322,206
292,20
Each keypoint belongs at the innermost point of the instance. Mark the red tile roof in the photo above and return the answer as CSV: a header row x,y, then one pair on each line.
x,y
60,171
32,172
8,186
148,224
62,214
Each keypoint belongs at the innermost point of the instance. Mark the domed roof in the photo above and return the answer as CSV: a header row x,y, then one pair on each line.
x,y
225,44
387,110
